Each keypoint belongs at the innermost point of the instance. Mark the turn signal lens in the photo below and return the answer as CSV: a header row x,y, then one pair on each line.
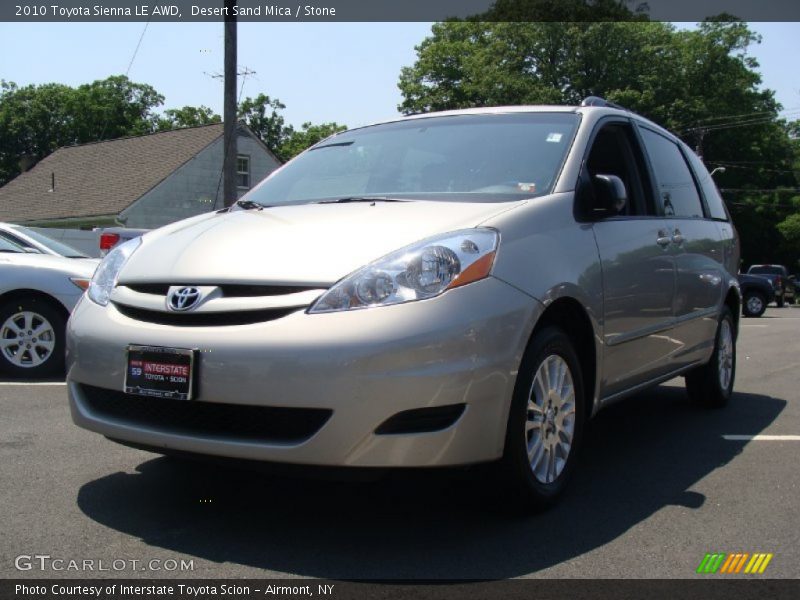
x,y
81,283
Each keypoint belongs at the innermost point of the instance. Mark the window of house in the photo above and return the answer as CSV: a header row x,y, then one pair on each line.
x,y
243,171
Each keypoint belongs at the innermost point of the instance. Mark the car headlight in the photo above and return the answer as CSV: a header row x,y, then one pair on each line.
x,y
105,277
419,271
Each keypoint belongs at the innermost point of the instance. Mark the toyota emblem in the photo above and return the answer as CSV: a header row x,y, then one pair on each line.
x,y
184,298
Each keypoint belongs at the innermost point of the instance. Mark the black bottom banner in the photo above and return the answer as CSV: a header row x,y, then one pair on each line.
x,y
528,589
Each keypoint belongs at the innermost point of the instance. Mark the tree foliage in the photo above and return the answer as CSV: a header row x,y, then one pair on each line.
x,y
188,116
701,84
298,140
262,115
35,120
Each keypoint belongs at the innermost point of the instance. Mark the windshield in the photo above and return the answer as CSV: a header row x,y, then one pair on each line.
x,y
463,158
57,247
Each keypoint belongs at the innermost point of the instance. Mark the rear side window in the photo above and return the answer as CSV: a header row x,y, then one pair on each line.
x,y
676,185
716,206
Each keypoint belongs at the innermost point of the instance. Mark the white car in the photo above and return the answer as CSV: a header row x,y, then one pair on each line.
x,y
37,293
31,239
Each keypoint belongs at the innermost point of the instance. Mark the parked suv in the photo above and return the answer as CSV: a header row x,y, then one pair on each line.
x,y
438,290
782,282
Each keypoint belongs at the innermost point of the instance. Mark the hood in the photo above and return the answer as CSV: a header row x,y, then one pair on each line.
x,y
309,244
74,267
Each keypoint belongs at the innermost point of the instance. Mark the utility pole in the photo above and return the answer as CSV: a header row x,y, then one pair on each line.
x,y
229,187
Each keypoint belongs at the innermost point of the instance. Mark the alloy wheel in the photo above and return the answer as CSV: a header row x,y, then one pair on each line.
x,y
550,422
725,354
27,339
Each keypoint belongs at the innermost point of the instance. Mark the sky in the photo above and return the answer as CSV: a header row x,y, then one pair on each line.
x,y
322,72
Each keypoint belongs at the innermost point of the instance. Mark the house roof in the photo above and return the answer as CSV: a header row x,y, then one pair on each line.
x,y
101,178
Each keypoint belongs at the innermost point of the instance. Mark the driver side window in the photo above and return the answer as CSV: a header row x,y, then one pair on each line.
x,y
616,152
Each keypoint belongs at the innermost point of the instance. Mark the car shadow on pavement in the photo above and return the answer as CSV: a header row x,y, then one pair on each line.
x,y
639,456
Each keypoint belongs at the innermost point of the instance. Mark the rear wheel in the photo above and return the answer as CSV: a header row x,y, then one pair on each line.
x,y
31,338
546,420
712,384
781,301
754,304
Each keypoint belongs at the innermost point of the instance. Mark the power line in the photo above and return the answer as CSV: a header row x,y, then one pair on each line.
x,y
731,166
733,124
753,114
762,190
136,50
752,205
742,162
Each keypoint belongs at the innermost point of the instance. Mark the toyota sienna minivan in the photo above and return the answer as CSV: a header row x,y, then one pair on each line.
x,y
445,289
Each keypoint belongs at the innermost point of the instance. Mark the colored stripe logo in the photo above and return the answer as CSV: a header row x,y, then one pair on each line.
x,y
738,562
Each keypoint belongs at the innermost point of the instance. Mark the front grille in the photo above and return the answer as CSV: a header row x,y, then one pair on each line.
x,y
208,419
210,319
229,290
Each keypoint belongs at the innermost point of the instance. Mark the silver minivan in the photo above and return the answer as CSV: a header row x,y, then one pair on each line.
x,y
439,290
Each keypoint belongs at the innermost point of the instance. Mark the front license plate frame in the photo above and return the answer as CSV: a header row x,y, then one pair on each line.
x,y
160,372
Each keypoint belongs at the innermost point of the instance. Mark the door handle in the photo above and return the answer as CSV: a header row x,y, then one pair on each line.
x,y
664,239
677,238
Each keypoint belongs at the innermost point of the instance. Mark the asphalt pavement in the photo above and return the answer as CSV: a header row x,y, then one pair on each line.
x,y
661,483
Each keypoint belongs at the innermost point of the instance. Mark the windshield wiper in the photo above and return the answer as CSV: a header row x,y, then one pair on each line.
x,y
249,205
347,199
333,145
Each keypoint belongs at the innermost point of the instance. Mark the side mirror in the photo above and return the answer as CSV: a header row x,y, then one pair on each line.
x,y
613,195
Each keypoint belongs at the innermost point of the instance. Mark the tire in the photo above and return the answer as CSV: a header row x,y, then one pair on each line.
x,y
552,432
711,385
780,301
24,353
754,304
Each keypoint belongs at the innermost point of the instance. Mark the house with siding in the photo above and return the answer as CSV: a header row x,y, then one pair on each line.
x,y
144,182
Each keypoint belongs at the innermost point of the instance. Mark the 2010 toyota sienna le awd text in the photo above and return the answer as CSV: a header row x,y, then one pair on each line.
x,y
444,289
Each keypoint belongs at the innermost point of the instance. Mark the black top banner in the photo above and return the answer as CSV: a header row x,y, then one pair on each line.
x,y
398,10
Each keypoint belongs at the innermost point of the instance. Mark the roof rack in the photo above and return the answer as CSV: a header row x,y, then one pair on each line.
x,y
598,101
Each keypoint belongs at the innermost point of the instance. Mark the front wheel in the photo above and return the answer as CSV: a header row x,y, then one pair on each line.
x,y
545,424
31,338
711,385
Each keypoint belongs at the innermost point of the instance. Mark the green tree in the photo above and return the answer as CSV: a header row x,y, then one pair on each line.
x,y
305,137
790,228
37,119
115,107
188,116
262,116
34,121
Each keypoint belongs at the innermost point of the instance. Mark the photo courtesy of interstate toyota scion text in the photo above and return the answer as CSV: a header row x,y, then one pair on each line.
x,y
445,289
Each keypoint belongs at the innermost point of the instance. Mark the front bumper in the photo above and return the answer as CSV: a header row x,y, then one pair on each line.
x,y
365,366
